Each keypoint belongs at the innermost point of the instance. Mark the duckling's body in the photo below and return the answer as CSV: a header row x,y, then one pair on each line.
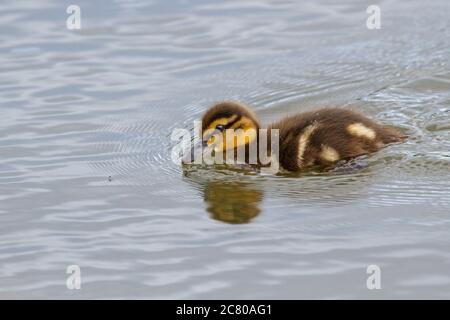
x,y
325,136
321,137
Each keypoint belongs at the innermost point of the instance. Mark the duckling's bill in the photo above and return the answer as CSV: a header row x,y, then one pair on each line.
x,y
200,151
194,155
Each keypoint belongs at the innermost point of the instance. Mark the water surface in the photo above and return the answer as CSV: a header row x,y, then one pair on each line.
x,y
86,175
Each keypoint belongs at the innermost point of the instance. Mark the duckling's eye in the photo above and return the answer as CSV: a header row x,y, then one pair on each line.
x,y
220,127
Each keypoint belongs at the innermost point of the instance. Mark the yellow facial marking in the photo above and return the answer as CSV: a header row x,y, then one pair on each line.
x,y
360,130
304,140
212,127
245,132
329,154
221,121
240,133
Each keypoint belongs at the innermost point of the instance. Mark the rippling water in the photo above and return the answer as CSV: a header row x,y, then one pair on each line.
x,y
86,175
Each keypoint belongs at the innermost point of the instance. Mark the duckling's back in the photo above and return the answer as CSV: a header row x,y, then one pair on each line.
x,y
325,136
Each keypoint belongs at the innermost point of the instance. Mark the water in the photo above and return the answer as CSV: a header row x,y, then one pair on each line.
x,y
85,170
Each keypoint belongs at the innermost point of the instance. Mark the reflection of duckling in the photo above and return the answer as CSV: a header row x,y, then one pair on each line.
x,y
232,202
319,137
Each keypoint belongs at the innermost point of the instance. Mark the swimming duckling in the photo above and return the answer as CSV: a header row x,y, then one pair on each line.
x,y
321,137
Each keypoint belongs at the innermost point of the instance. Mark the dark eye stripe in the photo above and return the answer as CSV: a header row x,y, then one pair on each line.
x,y
228,125
222,127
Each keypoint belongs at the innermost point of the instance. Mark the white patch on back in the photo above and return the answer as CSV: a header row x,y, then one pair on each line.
x,y
303,142
329,154
360,130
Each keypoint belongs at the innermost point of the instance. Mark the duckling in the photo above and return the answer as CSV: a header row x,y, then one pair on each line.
x,y
316,138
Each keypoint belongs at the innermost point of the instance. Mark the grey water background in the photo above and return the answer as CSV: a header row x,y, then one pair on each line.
x,y
86,175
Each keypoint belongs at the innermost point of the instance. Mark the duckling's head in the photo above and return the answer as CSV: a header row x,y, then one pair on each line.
x,y
223,116
226,126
